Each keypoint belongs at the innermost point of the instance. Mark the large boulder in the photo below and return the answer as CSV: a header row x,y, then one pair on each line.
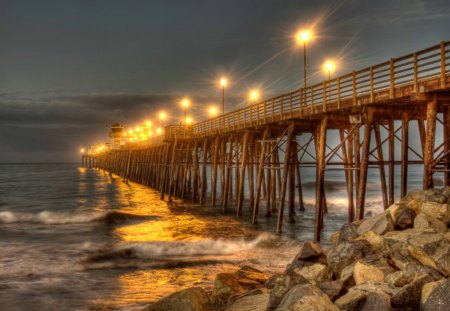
x,y
190,299
403,277
308,254
348,232
437,210
425,221
431,250
347,253
280,284
333,289
379,224
255,300
306,297
377,301
404,218
352,301
374,239
366,273
435,296
409,295
316,273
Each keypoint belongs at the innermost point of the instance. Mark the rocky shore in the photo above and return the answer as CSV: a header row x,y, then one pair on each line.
x,y
397,260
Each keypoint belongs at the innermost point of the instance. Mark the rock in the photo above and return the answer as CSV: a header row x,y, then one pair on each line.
x,y
308,251
437,210
404,218
352,301
229,284
446,192
374,287
306,298
347,275
435,296
190,299
431,250
437,198
409,295
379,224
316,273
377,301
424,221
225,285
280,285
332,289
255,300
250,273
375,240
348,232
407,275
346,253
365,273
334,238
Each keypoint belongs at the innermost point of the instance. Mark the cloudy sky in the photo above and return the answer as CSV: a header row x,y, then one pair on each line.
x,y
68,69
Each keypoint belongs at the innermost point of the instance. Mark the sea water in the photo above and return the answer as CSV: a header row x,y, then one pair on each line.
x,y
79,239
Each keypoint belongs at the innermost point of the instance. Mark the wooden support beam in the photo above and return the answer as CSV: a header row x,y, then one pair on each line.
x,y
250,168
381,165
364,165
291,183
348,175
321,140
228,177
299,181
242,173
203,175
290,135
446,115
405,144
428,155
391,162
195,173
214,171
260,176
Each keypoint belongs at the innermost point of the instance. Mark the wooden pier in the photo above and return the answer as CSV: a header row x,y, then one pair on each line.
x,y
253,155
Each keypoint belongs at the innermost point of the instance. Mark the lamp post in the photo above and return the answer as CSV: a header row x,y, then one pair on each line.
x,y
303,37
185,105
329,66
212,111
223,84
254,95
162,116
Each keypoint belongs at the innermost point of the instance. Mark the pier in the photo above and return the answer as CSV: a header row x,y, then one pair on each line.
x,y
255,154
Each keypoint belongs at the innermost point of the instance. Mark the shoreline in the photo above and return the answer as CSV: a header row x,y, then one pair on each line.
x,y
396,260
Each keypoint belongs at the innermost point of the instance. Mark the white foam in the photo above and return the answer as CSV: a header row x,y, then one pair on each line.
x,y
49,218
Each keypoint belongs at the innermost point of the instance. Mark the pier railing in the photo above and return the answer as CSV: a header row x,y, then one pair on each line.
x,y
418,72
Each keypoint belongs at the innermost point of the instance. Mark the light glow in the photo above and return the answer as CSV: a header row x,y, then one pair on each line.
x,y
185,103
254,95
329,66
304,36
82,150
213,111
223,82
189,120
162,115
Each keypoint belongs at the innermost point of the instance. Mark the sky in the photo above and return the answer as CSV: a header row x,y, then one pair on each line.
x,y
69,69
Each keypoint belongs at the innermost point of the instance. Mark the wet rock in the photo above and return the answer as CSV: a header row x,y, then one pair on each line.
x,y
409,295
190,299
280,284
438,211
424,221
404,218
348,232
437,198
225,285
346,253
435,296
347,275
365,273
377,301
352,301
255,300
379,224
332,289
375,240
309,251
306,298
431,250
316,273
250,273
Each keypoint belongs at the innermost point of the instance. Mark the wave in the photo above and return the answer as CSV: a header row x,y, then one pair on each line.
x,y
181,249
60,218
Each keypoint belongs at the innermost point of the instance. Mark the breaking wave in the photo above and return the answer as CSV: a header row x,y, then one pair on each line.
x,y
60,218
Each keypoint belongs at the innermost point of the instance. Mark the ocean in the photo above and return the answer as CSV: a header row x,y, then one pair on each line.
x,y
79,239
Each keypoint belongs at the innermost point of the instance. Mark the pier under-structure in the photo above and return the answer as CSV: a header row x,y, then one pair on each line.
x,y
252,157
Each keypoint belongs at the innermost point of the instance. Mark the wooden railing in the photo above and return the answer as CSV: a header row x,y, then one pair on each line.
x,y
418,72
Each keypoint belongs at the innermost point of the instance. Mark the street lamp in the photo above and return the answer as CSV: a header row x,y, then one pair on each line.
x,y
162,116
212,111
223,84
303,37
82,150
185,105
189,121
329,66
253,95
